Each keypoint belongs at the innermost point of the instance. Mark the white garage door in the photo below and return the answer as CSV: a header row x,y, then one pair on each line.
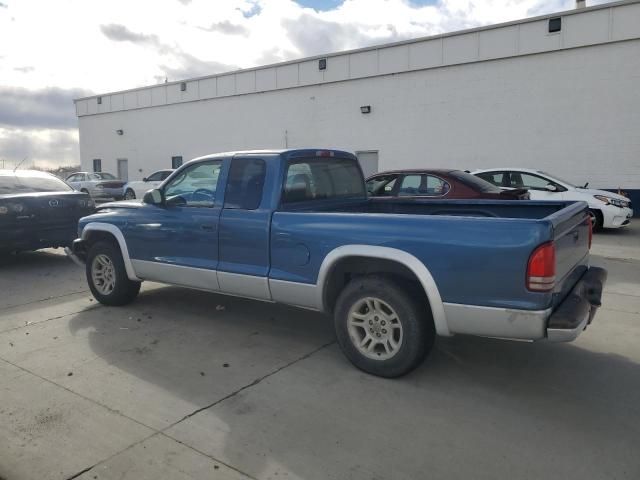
x,y
368,161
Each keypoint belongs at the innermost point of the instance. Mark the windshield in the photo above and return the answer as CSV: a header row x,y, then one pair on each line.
x,y
474,182
557,178
11,184
323,178
102,176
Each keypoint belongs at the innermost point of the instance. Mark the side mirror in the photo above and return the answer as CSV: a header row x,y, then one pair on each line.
x,y
153,197
551,188
145,179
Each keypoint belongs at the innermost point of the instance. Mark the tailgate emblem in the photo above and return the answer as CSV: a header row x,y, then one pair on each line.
x,y
54,203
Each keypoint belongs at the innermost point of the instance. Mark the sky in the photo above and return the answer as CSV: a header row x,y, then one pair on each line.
x,y
54,51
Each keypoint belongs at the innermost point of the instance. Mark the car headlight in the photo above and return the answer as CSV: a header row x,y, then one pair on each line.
x,y
612,201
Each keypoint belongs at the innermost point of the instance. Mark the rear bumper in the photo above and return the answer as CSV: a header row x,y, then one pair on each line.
x,y
36,236
576,312
563,324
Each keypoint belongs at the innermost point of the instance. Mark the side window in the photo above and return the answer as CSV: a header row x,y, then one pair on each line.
x,y
496,178
155,177
195,186
165,175
533,182
381,186
423,185
246,180
73,178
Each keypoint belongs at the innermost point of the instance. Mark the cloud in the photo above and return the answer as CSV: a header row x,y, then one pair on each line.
x,y
189,66
32,109
24,69
44,148
227,28
3,5
120,33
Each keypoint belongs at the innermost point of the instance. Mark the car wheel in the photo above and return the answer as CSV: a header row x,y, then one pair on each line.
x,y
597,219
107,275
129,194
381,328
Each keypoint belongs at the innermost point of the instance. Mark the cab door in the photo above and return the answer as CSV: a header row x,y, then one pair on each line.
x,y
177,242
245,230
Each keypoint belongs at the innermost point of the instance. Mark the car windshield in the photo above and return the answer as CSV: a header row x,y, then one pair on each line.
x,y
12,184
474,182
557,178
102,176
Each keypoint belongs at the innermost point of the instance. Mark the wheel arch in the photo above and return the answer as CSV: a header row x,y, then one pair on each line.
x,y
394,261
95,231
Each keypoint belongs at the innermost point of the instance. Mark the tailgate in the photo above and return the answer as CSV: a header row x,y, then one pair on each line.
x,y
571,238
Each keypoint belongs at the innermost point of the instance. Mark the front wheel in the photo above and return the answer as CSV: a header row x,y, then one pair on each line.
x,y
129,194
597,220
381,328
107,275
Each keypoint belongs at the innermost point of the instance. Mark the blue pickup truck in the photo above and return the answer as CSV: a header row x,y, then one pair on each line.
x,y
296,227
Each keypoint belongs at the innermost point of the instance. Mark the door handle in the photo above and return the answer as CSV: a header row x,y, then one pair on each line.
x,y
208,227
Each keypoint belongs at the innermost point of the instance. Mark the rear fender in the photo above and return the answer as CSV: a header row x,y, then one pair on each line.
x,y
392,254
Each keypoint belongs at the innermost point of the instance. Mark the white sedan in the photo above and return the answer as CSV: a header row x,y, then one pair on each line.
x,y
137,189
607,209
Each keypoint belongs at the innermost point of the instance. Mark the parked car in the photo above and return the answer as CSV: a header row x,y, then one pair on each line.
x,y
607,210
137,189
296,227
437,184
100,185
38,210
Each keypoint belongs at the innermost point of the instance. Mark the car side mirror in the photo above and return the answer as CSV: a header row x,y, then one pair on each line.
x,y
153,197
145,179
551,188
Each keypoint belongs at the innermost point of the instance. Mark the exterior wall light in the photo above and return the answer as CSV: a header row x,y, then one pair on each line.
x,y
365,109
120,132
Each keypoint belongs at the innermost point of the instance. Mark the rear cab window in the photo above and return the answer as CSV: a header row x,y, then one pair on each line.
x,y
245,183
322,178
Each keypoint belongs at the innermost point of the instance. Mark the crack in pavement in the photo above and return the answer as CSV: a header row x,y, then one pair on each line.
x,y
195,412
9,307
90,307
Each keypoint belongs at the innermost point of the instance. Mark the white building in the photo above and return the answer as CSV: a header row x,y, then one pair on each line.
x,y
559,92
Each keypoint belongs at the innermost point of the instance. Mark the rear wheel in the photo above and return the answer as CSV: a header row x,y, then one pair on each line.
x,y
129,194
381,328
107,275
596,219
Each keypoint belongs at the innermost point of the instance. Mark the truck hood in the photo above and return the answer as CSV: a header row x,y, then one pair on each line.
x,y
592,191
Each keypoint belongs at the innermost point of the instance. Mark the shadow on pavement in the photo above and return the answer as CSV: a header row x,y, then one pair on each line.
x,y
480,408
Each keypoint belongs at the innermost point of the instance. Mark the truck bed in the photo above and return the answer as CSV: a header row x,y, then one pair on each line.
x,y
471,246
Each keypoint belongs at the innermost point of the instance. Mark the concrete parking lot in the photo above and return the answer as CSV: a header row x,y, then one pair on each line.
x,y
184,384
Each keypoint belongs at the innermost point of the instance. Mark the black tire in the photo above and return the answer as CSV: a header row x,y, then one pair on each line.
x,y
124,290
597,219
418,331
129,194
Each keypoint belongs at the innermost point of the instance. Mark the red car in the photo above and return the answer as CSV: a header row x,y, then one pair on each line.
x,y
438,184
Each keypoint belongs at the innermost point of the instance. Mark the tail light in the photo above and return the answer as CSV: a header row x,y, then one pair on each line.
x,y
590,231
541,269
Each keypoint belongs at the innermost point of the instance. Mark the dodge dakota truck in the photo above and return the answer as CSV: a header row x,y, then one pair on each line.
x,y
296,227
